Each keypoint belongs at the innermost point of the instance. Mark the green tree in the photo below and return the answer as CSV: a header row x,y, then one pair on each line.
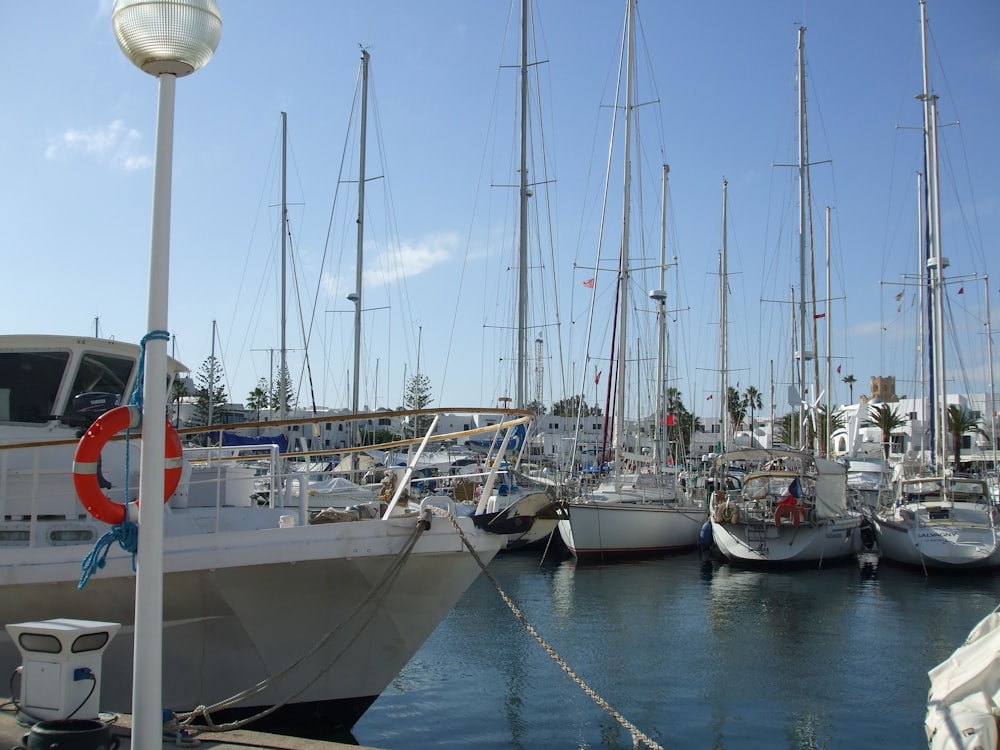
x,y
784,430
683,423
283,379
537,407
568,407
418,396
960,422
178,390
818,431
735,407
258,398
210,393
887,419
752,400
850,384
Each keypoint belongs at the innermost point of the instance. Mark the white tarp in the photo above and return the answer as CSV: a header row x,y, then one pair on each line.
x,y
962,705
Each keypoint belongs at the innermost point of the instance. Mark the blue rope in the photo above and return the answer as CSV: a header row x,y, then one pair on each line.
x,y
136,399
126,533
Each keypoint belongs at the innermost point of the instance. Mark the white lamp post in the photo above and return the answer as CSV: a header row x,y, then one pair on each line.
x,y
167,39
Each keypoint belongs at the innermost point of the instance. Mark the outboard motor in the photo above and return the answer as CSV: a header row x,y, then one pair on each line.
x,y
87,407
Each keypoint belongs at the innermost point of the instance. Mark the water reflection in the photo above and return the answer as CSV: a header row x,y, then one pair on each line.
x,y
694,655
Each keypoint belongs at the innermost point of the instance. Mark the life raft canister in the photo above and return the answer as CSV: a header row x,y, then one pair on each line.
x,y
88,451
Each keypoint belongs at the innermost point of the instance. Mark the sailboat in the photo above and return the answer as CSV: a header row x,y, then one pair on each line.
x,y
636,510
508,501
789,507
940,519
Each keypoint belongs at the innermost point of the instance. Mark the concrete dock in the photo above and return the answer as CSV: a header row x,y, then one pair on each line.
x,y
12,731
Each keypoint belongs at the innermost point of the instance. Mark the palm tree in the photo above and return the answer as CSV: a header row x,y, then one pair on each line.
x,y
960,422
837,421
735,406
887,419
752,400
850,384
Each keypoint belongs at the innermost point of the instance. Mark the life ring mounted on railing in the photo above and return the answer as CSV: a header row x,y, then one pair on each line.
x,y
730,512
792,512
88,452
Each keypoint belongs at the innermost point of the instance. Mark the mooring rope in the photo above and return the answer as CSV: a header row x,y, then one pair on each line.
x,y
392,572
638,737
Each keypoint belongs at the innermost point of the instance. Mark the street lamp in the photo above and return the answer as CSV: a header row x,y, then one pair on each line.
x,y
167,39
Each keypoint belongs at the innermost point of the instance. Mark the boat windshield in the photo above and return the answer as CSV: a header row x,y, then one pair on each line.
x,y
29,384
30,381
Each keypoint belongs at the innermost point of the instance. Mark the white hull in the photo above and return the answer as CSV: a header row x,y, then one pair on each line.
x,y
943,545
603,529
241,605
525,518
831,541
790,510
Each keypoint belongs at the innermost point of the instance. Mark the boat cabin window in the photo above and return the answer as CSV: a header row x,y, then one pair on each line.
x,y
103,373
29,384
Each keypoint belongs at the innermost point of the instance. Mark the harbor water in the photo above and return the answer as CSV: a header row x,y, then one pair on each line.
x,y
694,655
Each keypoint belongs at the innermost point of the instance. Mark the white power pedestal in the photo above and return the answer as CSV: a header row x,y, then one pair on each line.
x,y
61,666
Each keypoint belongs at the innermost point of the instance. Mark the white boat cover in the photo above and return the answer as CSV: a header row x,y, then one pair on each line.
x,y
964,700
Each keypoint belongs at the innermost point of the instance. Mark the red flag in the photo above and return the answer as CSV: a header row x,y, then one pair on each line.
x,y
670,420
709,396
597,378
961,290
817,316
838,369
589,283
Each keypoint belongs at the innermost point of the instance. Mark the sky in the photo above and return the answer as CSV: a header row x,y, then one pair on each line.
x,y
718,90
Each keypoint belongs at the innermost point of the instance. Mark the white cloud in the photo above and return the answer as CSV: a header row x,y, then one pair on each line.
x,y
114,144
411,260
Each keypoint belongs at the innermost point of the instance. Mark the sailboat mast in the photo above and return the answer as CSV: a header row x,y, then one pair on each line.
x,y
623,277
936,262
803,167
825,447
283,359
724,318
926,410
659,296
522,270
989,357
359,261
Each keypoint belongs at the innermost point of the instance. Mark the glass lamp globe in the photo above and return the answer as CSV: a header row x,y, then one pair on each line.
x,y
167,36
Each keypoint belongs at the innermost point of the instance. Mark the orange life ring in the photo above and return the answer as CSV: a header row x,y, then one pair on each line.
x,y
793,512
88,451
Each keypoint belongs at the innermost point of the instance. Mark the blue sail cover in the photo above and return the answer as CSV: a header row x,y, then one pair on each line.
x,y
233,439
513,445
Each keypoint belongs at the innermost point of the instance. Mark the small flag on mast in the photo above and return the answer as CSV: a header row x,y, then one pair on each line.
x,y
589,283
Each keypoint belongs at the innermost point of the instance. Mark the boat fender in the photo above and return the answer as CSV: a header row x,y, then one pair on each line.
x,y
705,537
88,450
792,512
